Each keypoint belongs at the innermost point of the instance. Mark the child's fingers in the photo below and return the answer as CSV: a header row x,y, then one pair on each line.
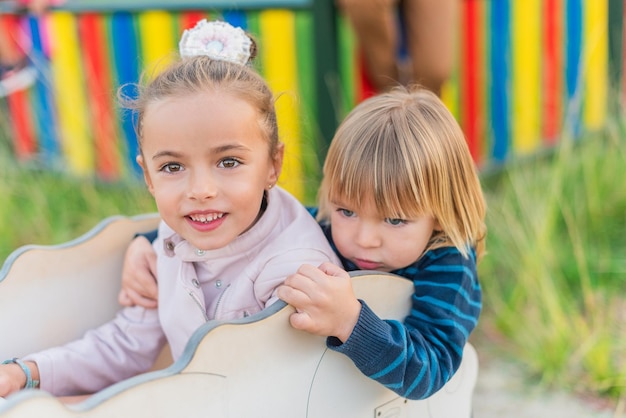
x,y
332,269
146,285
304,280
301,321
123,298
128,297
293,296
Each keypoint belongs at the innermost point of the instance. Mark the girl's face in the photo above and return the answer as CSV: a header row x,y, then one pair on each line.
x,y
207,163
373,242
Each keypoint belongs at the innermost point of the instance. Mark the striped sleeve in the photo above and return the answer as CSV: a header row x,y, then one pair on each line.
x,y
415,358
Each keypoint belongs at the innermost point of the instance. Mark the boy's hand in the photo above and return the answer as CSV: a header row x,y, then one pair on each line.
x,y
139,286
324,300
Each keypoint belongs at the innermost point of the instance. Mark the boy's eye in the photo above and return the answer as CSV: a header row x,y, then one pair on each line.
x,y
229,163
346,212
395,221
171,168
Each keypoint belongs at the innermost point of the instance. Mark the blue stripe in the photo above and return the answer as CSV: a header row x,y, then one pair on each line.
x,y
572,60
453,309
44,108
398,385
500,72
450,268
443,322
441,253
123,35
443,336
417,381
237,18
452,286
400,328
433,362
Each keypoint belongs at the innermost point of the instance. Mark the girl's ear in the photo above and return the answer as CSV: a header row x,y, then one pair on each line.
x,y
146,175
277,164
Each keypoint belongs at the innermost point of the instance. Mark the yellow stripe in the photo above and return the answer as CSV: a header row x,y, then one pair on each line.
x,y
280,70
69,93
450,95
450,91
595,65
526,39
158,41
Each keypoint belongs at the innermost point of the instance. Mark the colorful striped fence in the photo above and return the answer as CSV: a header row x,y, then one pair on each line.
x,y
526,70
70,119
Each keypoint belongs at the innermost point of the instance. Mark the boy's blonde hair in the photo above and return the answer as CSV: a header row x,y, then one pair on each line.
x,y
202,74
404,151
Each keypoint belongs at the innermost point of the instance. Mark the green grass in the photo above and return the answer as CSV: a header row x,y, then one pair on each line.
x,y
40,207
554,276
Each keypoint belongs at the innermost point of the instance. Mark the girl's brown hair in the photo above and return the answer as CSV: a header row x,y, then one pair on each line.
x,y
202,74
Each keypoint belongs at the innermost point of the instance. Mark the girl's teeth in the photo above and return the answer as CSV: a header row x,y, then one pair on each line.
x,y
207,218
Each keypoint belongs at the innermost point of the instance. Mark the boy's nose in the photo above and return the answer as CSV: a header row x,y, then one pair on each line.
x,y
368,236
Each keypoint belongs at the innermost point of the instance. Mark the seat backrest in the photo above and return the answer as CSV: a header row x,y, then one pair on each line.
x,y
50,295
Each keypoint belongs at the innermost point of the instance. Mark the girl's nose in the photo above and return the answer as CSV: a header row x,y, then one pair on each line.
x,y
201,186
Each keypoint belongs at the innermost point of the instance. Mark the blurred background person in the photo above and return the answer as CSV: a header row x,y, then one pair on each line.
x,y
426,27
16,70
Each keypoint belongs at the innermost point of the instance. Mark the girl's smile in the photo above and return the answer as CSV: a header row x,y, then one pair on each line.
x,y
206,222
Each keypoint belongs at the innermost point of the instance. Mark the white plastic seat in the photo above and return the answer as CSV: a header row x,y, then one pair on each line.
x,y
256,367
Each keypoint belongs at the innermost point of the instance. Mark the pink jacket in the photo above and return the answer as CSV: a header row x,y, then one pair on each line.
x,y
194,286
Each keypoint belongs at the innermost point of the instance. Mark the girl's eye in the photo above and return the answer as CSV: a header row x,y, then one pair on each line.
x,y
229,163
171,168
346,212
395,221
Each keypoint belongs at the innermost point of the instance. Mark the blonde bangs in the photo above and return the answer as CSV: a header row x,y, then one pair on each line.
x,y
385,171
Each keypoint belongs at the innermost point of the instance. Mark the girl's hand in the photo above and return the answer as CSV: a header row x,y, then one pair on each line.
x,y
139,286
324,300
13,378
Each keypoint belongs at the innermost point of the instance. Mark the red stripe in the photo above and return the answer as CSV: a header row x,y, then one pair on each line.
x,y
18,102
99,92
552,66
188,19
23,137
365,88
470,106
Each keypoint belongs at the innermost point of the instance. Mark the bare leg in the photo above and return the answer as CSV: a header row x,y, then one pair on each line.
x,y
431,36
375,26
8,51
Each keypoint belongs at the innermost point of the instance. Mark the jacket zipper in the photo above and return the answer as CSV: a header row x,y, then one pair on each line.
x,y
199,305
219,300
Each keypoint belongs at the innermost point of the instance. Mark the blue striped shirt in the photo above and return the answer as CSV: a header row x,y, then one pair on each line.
x,y
415,358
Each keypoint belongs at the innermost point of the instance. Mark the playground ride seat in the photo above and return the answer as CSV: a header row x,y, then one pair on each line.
x,y
254,367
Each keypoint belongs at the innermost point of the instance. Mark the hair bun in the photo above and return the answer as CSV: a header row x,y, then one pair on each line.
x,y
217,40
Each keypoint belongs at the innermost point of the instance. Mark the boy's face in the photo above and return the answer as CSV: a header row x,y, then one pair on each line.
x,y
373,242
206,162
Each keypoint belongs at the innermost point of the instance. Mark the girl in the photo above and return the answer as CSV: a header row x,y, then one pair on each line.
x,y
211,157
400,194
